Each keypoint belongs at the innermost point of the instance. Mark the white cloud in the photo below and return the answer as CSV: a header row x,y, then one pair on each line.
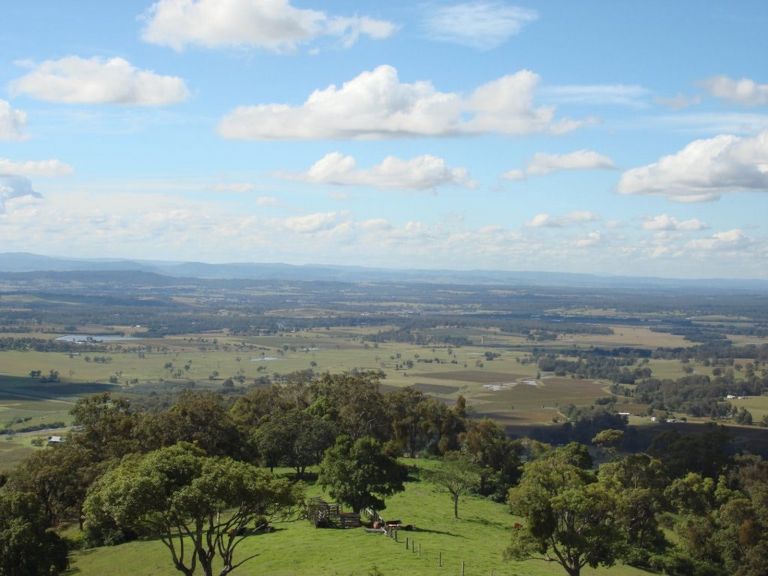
x,y
542,164
679,101
15,187
420,173
600,94
375,104
311,223
234,187
545,220
665,222
732,240
266,201
482,25
743,91
12,122
579,160
35,167
592,239
75,80
514,175
704,170
178,227
711,123
270,24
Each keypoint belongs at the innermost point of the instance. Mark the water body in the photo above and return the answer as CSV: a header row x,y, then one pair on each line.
x,y
86,338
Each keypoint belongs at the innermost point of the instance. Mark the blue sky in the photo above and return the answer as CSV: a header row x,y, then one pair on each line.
x,y
610,137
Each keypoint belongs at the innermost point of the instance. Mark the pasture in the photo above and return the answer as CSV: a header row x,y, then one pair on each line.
x,y
478,539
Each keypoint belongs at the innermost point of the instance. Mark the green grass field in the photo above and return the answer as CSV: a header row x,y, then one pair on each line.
x,y
296,548
757,406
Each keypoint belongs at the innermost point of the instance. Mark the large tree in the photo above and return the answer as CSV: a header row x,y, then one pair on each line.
x,y
568,516
359,473
27,547
198,506
295,438
59,476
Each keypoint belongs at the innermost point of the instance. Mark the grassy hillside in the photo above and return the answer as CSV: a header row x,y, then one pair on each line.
x,y
296,548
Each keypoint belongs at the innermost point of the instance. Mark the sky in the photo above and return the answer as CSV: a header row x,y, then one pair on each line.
x,y
611,137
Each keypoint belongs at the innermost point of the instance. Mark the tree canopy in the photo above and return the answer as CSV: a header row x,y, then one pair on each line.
x,y
27,547
567,513
185,497
359,473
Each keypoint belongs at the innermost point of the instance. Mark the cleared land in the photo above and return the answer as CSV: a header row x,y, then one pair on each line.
x,y
478,538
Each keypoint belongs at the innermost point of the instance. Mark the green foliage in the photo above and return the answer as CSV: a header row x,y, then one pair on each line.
x,y
497,456
200,418
457,474
27,547
567,514
60,477
198,506
293,438
359,473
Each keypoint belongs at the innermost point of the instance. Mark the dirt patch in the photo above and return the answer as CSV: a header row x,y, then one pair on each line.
x,y
435,388
475,376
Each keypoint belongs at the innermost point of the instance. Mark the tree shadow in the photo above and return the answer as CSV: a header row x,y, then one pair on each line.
x,y
441,532
486,522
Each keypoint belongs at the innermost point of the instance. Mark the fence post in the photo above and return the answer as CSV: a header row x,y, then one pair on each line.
x,y
440,558
406,542
462,568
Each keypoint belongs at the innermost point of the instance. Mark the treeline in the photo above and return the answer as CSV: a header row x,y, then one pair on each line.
x,y
27,344
291,424
119,464
699,395
684,508
620,370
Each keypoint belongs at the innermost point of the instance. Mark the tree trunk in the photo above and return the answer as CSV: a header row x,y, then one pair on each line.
x,y
456,506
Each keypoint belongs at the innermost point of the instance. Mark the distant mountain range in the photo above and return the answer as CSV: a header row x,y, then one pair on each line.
x,y
16,262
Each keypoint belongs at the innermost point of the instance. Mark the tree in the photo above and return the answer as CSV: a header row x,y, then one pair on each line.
x,y
27,547
457,474
566,512
59,476
353,402
107,426
295,438
184,497
360,474
498,456
638,482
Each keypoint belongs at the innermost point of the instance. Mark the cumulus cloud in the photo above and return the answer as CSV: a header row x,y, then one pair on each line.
x,y
545,220
15,187
76,80
12,122
35,167
376,104
665,222
312,223
704,170
542,164
599,94
743,91
481,25
273,25
420,173
592,239
732,240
